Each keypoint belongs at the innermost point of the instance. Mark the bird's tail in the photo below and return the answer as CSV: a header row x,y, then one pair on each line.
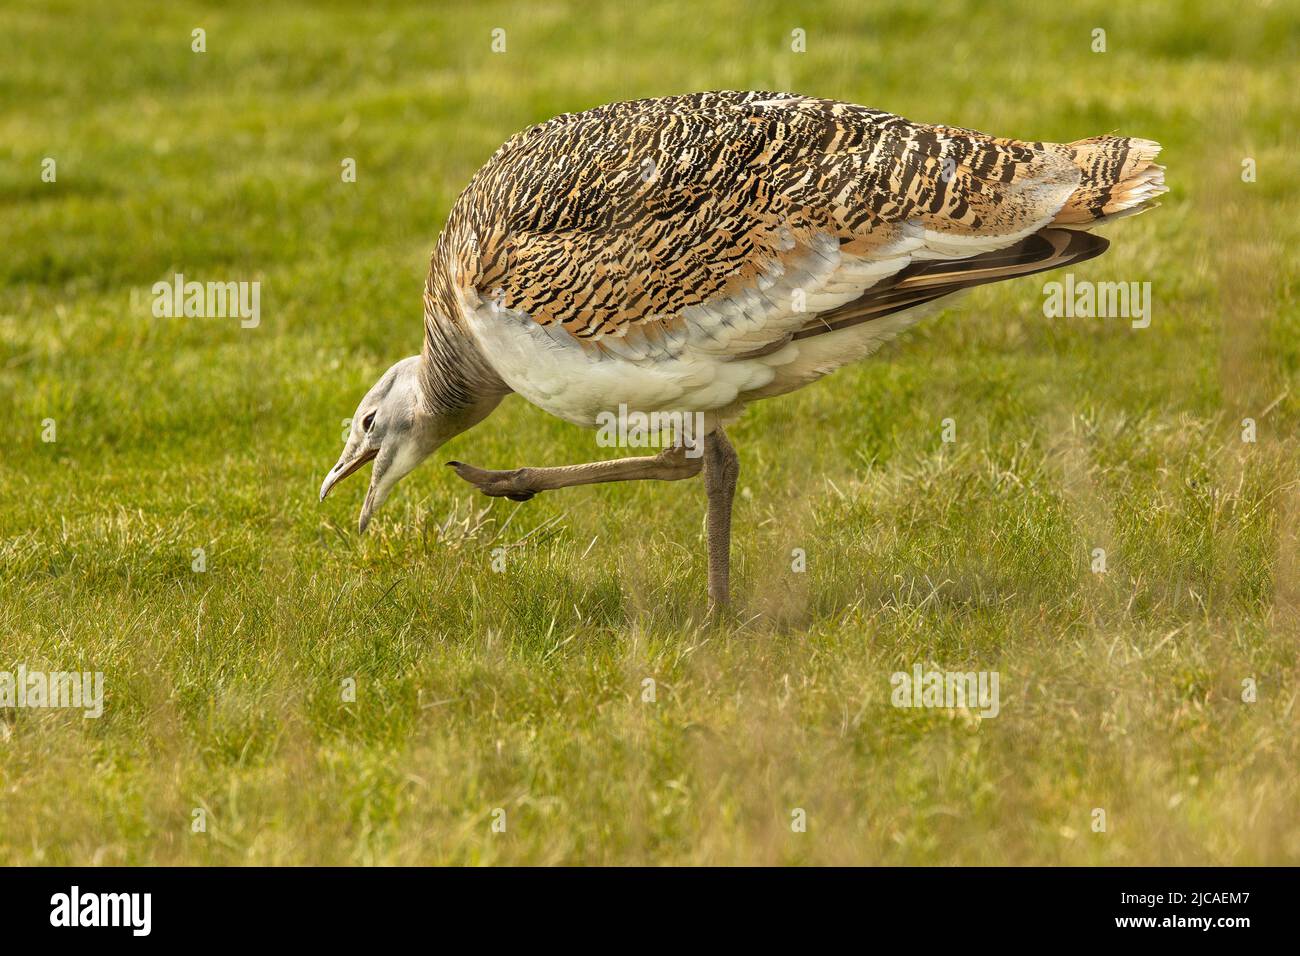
x,y
1118,177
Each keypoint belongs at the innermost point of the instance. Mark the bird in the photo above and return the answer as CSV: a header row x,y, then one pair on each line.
x,y
691,254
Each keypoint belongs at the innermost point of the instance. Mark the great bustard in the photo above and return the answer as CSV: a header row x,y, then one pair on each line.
x,y
695,253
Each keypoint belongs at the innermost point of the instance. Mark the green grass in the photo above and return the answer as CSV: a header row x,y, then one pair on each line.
x,y
524,690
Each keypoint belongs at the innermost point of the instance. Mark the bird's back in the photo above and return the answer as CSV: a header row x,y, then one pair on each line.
x,y
729,224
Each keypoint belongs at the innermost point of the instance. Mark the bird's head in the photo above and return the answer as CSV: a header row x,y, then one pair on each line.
x,y
393,427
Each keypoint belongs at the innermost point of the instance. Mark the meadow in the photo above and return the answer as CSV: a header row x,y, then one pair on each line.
x,y
579,706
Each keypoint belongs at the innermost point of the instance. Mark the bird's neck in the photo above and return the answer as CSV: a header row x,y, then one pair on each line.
x,y
455,377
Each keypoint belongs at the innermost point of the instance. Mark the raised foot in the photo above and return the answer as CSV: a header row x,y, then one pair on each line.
x,y
496,484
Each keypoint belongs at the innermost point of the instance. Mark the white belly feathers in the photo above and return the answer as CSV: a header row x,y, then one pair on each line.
x,y
705,365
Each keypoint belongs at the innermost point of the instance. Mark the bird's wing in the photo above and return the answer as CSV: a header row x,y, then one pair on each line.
x,y
726,222
924,282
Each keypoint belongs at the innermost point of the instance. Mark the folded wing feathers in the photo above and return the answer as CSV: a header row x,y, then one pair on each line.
x,y
755,194
926,281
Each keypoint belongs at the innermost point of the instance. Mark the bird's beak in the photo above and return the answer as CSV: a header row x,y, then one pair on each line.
x,y
368,506
382,479
345,467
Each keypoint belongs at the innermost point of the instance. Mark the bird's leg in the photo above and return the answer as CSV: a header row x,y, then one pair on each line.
x,y
520,484
721,469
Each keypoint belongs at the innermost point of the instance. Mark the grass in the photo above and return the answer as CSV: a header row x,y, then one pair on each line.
x,y
525,690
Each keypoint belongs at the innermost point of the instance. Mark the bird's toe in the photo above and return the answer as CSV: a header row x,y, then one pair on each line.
x,y
475,476
496,484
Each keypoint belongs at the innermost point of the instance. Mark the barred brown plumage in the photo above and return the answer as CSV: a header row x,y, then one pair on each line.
x,y
694,253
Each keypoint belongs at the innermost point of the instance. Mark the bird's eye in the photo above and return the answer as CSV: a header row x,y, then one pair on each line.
x,y
368,421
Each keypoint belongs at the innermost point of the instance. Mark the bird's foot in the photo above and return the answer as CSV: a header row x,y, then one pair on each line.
x,y
719,614
512,484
